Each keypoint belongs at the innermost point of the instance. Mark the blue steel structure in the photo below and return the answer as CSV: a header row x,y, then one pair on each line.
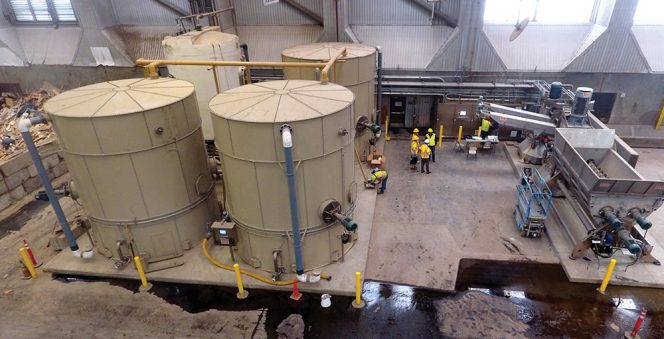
x,y
533,200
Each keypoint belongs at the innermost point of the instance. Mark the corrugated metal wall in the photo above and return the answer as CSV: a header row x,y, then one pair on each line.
x,y
253,12
613,52
653,52
486,57
147,12
539,47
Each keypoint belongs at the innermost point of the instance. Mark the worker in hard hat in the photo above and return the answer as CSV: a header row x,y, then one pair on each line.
x,y
432,143
379,177
425,154
486,126
416,132
414,151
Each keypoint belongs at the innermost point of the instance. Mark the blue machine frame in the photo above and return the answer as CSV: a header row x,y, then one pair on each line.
x,y
533,200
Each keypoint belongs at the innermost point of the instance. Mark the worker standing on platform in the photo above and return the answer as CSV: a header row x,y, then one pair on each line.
x,y
414,151
431,136
486,126
379,177
425,153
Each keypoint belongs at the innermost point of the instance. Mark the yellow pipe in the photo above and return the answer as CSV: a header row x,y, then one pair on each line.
x,y
440,137
28,262
141,272
607,276
247,273
658,125
459,135
387,125
151,66
324,74
358,288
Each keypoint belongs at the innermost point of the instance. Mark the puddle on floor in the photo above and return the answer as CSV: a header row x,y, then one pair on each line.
x,y
17,220
548,305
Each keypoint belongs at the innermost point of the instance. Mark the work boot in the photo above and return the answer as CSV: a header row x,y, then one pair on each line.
x,y
422,171
380,192
428,172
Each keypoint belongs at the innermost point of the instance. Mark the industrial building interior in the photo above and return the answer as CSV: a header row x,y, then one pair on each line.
x,y
256,168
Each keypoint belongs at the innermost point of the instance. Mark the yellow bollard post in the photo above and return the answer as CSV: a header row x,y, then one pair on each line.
x,y
241,293
358,302
28,262
387,125
479,131
440,137
607,276
141,273
660,119
459,136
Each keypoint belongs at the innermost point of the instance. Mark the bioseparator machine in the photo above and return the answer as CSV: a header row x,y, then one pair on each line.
x,y
592,167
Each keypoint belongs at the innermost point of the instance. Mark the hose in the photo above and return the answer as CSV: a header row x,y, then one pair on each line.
x,y
247,273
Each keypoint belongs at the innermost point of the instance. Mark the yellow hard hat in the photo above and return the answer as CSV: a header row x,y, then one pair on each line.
x,y
416,130
430,130
415,138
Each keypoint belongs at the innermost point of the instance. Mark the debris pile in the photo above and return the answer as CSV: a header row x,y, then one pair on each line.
x,y
12,108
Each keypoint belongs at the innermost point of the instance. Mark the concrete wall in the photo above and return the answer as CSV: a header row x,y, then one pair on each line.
x,y
18,175
64,76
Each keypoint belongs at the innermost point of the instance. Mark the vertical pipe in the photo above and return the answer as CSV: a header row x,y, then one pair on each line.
x,y
387,126
141,271
28,263
24,128
379,79
607,276
216,79
292,195
660,119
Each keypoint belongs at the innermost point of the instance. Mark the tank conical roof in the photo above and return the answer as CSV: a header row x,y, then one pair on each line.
x,y
281,101
118,97
326,50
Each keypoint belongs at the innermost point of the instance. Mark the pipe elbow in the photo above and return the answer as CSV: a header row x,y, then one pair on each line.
x,y
286,136
24,125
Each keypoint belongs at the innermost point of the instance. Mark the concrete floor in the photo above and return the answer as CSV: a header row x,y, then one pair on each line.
x,y
425,224
198,270
642,274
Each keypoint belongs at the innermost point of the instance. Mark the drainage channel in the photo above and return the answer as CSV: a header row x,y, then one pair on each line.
x,y
494,299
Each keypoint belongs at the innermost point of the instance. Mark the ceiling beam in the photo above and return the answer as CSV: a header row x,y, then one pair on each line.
x,y
450,21
304,10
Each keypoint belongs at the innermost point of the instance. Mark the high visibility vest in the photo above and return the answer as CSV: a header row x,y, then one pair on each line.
x,y
414,148
425,151
432,139
486,124
378,175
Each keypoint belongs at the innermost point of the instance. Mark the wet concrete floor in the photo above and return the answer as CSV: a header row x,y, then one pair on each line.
x,y
17,220
546,304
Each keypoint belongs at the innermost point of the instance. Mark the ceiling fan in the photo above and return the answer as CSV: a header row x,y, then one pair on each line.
x,y
519,28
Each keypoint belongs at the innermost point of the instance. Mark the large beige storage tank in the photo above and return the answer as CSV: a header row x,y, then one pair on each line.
x,y
207,44
247,122
357,73
135,152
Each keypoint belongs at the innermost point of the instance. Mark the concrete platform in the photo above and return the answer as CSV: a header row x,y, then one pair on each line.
x,y
425,224
582,271
198,270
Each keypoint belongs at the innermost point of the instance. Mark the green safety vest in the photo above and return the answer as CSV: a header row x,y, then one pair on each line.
x,y
486,125
432,139
378,175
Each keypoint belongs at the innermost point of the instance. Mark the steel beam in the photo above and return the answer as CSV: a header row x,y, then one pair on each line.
x,y
450,21
304,10
172,7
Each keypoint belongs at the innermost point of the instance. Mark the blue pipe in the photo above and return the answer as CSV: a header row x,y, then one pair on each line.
x,y
34,153
379,76
292,196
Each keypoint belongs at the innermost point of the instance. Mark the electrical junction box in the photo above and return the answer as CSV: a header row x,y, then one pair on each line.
x,y
225,233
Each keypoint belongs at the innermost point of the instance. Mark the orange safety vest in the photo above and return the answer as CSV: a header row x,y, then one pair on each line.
x,y
414,148
425,151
